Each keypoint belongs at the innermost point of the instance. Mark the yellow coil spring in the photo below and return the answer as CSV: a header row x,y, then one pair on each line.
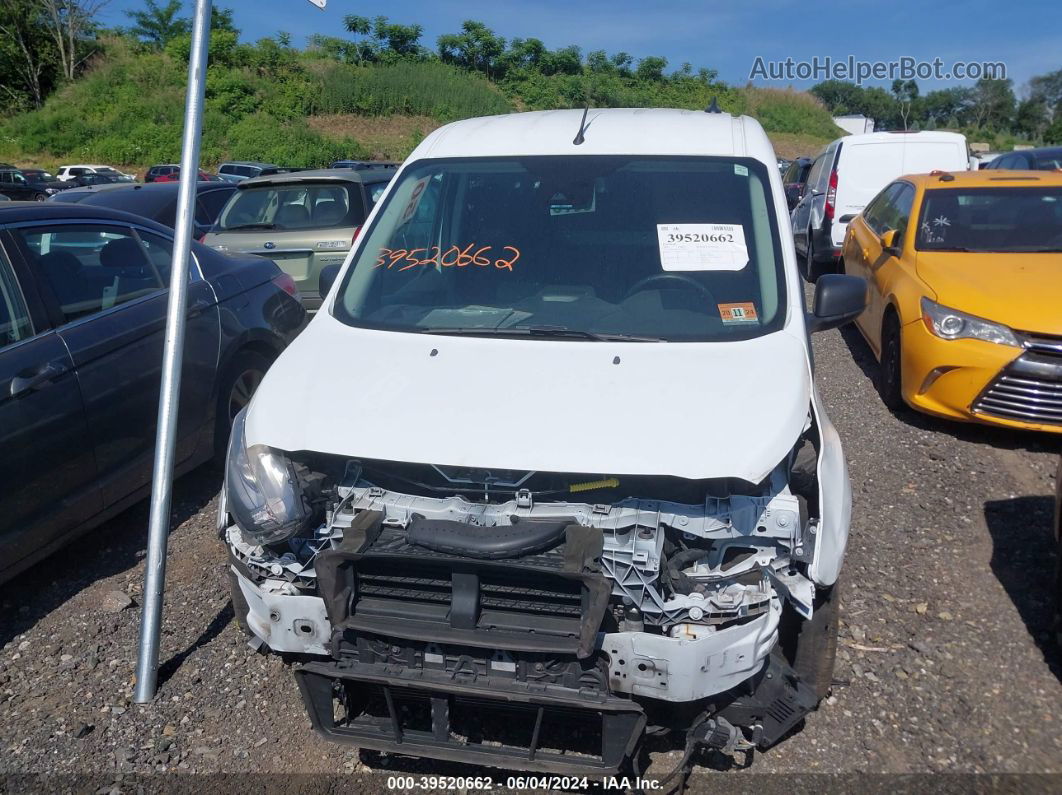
x,y
593,485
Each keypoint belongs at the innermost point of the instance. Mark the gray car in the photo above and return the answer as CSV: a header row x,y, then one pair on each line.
x,y
303,221
239,170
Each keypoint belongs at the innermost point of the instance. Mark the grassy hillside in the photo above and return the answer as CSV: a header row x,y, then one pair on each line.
x,y
268,102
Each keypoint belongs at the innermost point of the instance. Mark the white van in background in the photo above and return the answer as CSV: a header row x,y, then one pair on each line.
x,y
849,173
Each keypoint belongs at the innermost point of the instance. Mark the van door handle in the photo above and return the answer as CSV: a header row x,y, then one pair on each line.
x,y
22,384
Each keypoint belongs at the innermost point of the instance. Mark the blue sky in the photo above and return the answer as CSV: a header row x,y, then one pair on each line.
x,y
726,35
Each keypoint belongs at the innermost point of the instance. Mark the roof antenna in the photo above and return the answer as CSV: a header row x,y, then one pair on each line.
x,y
579,138
713,107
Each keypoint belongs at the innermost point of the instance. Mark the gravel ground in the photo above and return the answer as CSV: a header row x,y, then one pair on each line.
x,y
947,662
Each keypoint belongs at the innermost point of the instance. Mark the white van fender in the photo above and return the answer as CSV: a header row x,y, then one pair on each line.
x,y
835,499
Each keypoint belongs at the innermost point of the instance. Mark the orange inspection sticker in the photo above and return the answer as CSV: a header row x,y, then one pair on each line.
x,y
744,312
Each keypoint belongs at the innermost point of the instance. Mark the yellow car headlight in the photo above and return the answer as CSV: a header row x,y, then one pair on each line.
x,y
951,324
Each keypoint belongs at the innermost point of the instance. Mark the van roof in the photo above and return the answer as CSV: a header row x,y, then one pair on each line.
x,y
903,136
611,131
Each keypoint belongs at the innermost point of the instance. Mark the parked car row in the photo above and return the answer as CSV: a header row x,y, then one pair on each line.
x,y
36,184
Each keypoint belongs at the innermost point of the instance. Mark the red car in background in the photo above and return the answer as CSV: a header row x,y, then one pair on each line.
x,y
171,172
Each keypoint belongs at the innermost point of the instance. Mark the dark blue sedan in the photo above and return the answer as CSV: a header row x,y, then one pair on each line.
x,y
82,317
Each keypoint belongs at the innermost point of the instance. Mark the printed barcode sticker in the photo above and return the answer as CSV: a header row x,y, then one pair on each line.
x,y
702,247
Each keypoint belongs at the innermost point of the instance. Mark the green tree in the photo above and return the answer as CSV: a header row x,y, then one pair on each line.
x,y
1047,88
651,68
72,25
946,107
476,47
523,54
565,61
28,66
906,93
993,104
159,25
381,37
1053,134
1032,118
221,19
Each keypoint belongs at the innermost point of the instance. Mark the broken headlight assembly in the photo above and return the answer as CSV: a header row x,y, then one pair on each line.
x,y
262,492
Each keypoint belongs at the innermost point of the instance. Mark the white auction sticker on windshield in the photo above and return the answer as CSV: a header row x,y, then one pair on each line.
x,y
702,247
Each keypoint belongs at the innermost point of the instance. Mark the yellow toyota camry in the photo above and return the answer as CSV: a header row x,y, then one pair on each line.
x,y
964,311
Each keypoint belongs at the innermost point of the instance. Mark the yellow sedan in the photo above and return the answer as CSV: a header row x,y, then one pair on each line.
x,y
964,311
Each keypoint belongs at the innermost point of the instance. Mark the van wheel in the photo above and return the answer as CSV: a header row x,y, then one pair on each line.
x,y
239,383
890,385
811,646
39,197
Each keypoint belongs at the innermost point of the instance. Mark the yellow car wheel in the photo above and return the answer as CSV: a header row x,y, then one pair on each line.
x,y
890,386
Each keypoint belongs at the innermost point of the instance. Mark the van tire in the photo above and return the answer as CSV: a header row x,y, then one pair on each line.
x,y
890,385
812,646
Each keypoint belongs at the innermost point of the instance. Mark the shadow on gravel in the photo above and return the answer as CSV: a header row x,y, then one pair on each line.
x,y
1023,559
214,628
974,433
113,547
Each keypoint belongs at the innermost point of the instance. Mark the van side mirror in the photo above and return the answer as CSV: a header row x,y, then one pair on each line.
x,y
888,242
839,299
846,219
327,278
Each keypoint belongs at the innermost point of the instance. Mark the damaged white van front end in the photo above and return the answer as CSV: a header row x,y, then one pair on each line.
x,y
549,468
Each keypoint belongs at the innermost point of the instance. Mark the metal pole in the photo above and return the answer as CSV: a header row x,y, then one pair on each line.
x,y
147,667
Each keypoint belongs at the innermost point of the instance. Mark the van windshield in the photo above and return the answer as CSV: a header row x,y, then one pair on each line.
x,y
579,247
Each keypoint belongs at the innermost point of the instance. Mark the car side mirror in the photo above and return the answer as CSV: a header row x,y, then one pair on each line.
x,y
327,278
888,242
839,299
846,219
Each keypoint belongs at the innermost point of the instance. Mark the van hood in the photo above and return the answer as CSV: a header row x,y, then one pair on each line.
x,y
691,410
1021,290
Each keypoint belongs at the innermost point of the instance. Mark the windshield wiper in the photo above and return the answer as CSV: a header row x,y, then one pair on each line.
x,y
561,332
248,226
554,332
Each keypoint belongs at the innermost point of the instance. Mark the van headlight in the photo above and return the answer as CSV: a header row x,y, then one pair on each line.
x,y
951,324
262,492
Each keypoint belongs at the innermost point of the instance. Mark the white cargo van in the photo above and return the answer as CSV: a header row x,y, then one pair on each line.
x,y
849,173
558,458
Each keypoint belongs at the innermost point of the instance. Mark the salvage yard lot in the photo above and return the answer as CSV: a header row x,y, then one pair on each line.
x,y
947,659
